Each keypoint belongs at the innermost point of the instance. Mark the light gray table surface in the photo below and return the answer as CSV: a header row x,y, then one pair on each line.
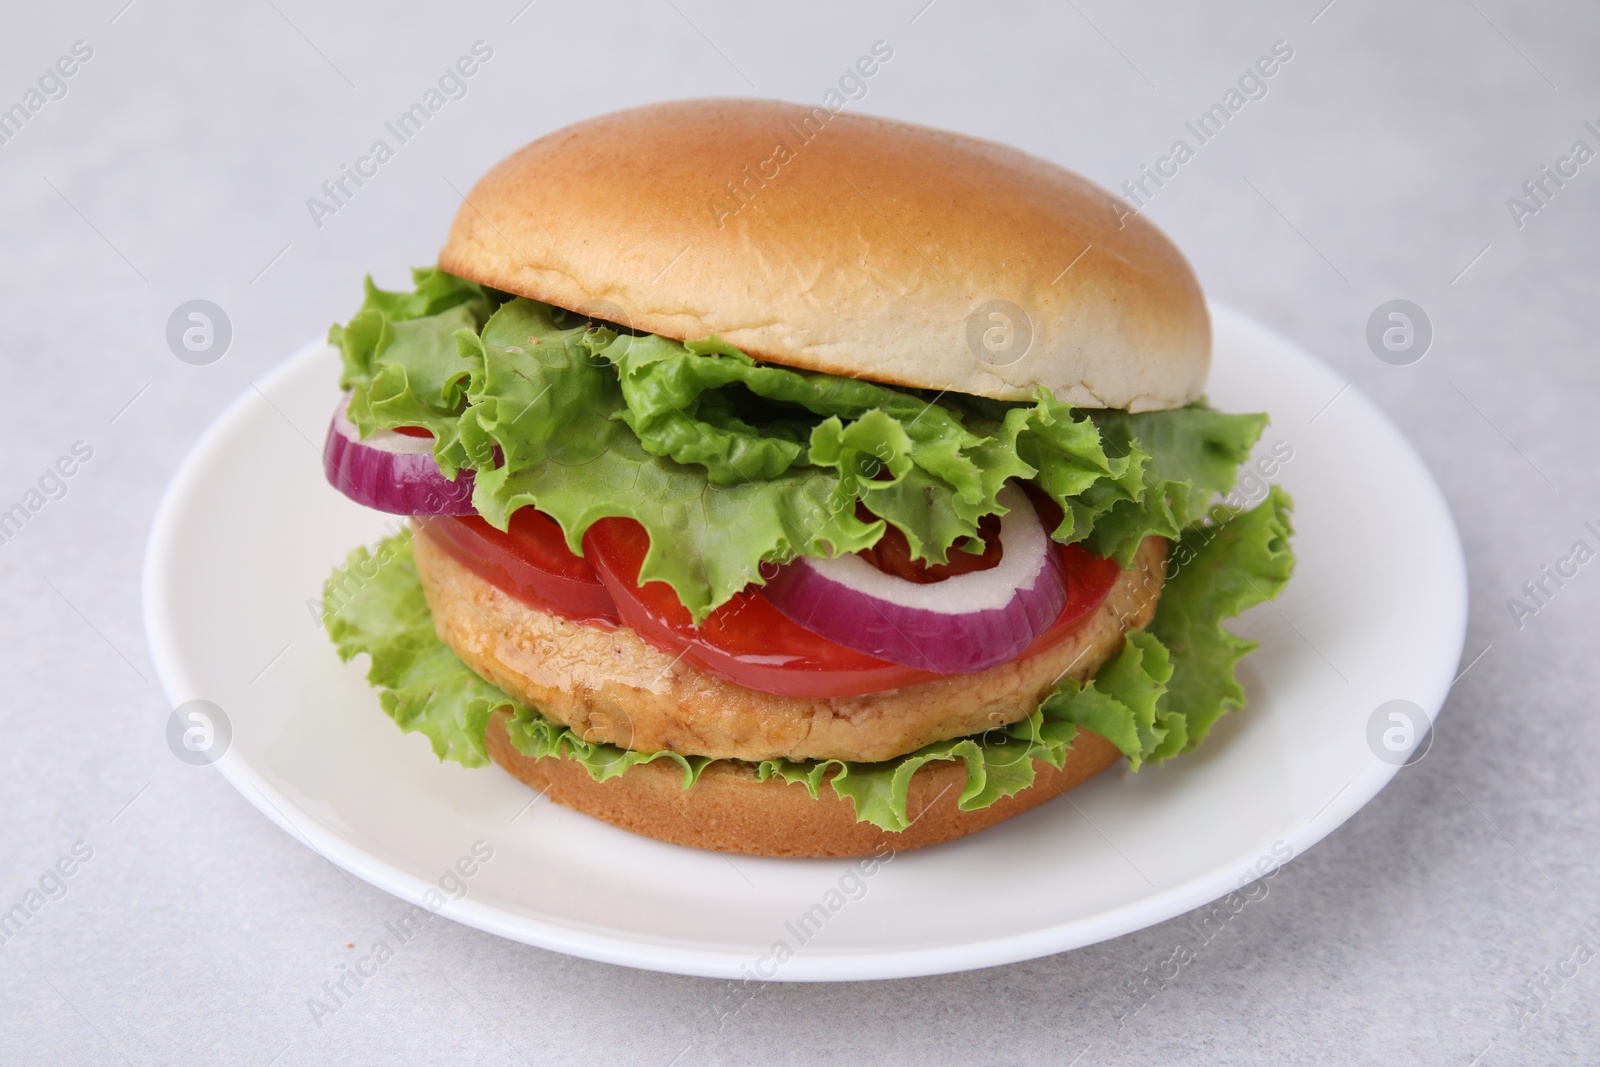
x,y
1379,165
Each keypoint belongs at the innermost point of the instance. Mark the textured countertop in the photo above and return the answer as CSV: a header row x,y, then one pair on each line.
x,y
177,925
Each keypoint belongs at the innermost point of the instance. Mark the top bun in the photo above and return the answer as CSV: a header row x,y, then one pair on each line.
x,y
845,244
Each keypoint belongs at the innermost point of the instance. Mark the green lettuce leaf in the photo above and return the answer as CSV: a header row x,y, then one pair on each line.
x,y
1193,454
554,410
583,421
925,467
403,362
1161,694
374,604
998,764
1217,572
537,737
1122,701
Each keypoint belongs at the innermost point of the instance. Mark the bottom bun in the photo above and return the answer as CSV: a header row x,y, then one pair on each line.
x,y
729,810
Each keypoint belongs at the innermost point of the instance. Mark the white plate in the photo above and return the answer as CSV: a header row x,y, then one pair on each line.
x,y
249,529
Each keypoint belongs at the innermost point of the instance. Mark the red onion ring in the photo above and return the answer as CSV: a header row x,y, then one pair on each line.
x,y
959,625
391,471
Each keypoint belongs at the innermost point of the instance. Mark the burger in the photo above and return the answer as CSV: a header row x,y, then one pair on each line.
x,y
793,483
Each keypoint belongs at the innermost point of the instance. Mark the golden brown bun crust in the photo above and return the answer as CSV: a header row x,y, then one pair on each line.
x,y
862,247
728,810
610,686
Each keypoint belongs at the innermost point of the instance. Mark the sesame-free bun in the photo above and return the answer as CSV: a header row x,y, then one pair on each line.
x,y
729,810
846,244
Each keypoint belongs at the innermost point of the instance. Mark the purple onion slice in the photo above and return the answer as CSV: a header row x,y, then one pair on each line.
x,y
962,624
391,471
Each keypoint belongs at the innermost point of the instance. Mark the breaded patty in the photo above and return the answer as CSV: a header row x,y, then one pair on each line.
x,y
608,685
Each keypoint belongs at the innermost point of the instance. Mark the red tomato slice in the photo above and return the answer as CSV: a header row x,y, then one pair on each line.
x,y
746,641
750,643
530,562
1089,579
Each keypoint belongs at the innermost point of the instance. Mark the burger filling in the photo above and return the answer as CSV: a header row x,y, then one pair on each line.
x,y
793,532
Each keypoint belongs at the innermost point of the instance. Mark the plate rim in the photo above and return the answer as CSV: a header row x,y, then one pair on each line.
x,y
818,965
